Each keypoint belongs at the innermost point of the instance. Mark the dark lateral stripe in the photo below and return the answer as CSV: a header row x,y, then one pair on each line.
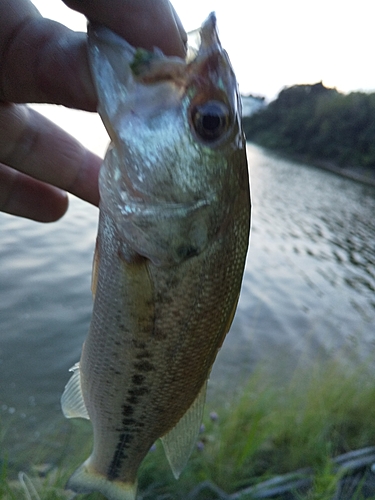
x,y
144,366
138,379
119,456
130,425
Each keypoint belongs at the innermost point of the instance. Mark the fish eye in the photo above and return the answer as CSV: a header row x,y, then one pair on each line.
x,y
210,120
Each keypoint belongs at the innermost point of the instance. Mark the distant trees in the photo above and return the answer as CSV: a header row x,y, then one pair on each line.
x,y
318,123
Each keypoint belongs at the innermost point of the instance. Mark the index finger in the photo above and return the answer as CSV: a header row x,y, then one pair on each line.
x,y
145,24
31,144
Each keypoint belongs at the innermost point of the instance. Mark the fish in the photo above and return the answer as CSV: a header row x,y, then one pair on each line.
x,y
173,233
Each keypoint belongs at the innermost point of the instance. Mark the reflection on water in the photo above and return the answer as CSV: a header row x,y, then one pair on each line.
x,y
308,293
45,311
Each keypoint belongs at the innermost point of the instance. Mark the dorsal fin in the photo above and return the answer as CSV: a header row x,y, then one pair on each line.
x,y
180,441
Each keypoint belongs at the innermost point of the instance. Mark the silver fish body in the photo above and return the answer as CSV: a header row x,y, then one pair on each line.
x,y
172,242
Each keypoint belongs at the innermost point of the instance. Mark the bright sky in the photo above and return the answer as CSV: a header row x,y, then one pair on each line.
x,y
275,43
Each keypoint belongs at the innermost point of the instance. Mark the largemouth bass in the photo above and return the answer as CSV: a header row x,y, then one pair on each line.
x,y
172,241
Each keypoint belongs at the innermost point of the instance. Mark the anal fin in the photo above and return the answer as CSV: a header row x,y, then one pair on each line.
x,y
179,442
72,403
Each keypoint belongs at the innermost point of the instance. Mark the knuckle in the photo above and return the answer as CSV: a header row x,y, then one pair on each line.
x,y
17,138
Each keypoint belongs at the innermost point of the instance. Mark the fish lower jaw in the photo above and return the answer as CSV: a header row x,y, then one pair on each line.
x,y
86,480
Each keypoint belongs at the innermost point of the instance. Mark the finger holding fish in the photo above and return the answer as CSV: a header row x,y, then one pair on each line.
x,y
146,24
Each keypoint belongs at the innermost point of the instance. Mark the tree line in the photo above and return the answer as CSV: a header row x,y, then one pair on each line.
x,y
318,123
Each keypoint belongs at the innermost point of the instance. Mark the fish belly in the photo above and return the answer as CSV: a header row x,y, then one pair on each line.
x,y
154,336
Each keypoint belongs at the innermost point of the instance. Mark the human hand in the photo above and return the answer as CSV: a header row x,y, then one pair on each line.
x,y
43,61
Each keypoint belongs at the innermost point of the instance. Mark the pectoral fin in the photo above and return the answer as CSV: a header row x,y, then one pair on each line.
x,y
179,442
72,403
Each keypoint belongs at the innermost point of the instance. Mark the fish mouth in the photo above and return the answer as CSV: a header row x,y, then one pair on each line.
x,y
205,56
206,78
215,107
203,37
206,49
209,37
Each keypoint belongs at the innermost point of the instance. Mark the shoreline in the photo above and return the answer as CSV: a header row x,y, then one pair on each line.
x,y
359,174
365,175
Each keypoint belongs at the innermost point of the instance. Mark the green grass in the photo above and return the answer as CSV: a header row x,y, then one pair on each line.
x,y
267,430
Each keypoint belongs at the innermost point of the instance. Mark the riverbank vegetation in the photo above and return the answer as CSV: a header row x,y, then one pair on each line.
x,y
267,430
318,123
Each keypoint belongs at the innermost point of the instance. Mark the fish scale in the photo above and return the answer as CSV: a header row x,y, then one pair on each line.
x,y
203,289
171,248
109,362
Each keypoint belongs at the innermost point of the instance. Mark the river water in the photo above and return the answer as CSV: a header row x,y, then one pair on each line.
x,y
308,293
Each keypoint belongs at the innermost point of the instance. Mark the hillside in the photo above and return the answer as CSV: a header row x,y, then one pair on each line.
x,y
318,123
